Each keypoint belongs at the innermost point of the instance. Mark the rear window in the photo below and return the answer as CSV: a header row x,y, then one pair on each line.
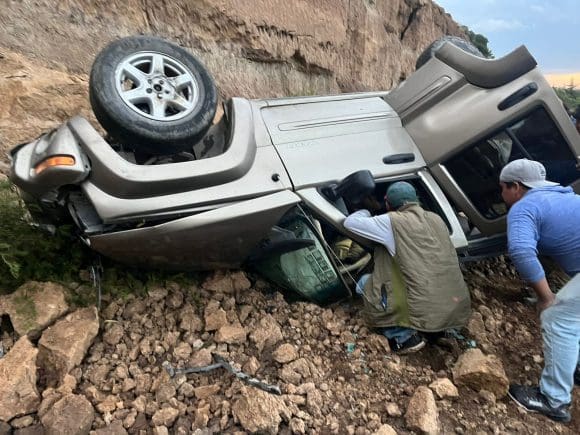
x,y
536,137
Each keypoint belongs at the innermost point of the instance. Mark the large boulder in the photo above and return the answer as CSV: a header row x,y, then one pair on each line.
x,y
18,393
71,415
34,306
480,372
422,415
64,345
258,411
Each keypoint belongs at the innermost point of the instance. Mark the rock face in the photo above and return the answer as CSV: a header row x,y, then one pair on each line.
x,y
63,346
33,306
18,393
258,411
481,372
73,414
258,48
422,415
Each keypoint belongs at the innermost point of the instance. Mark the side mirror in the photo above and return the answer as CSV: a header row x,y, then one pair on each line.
x,y
353,188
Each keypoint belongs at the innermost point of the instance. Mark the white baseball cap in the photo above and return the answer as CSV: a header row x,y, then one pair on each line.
x,y
528,172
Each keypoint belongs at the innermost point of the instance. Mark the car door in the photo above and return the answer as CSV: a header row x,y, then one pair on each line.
x,y
469,125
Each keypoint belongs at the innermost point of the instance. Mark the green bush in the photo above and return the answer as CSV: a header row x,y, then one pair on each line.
x,y
28,253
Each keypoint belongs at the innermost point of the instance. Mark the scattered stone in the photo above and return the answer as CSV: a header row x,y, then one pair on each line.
x,y
258,411
64,345
266,333
488,396
34,306
240,281
182,351
18,393
444,388
5,428
386,429
73,414
297,426
285,353
115,428
215,319
477,371
201,358
19,423
206,391
165,417
231,334
219,282
202,415
422,415
188,320
252,366
393,410
114,332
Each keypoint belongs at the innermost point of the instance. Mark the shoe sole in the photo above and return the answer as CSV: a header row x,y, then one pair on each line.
x,y
521,405
413,349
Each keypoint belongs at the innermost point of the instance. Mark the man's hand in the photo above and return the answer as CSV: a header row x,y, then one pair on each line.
x,y
544,293
544,303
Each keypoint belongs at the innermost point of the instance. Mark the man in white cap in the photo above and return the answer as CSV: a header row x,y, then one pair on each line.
x,y
544,218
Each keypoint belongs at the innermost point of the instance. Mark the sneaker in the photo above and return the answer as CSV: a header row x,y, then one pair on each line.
x,y
410,345
531,399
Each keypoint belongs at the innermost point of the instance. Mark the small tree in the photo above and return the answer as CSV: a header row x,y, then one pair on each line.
x,y
479,41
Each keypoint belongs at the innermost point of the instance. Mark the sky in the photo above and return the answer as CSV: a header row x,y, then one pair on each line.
x,y
550,29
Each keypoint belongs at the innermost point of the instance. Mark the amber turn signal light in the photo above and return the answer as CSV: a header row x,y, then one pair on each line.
x,y
54,161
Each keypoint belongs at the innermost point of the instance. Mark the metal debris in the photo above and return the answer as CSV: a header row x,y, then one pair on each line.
x,y
273,389
96,272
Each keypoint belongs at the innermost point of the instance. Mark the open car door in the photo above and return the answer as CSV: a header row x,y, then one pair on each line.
x,y
471,116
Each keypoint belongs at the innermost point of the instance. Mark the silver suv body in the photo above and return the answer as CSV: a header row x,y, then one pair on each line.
x,y
449,129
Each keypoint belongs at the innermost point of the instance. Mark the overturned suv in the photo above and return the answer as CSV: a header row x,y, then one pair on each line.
x,y
270,183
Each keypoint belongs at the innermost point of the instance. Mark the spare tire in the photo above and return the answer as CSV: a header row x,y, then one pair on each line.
x,y
430,51
151,95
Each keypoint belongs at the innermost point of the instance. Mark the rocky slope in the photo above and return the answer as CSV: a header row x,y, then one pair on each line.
x,y
258,48
78,372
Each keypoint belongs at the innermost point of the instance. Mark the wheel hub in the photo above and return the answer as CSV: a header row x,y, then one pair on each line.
x,y
157,86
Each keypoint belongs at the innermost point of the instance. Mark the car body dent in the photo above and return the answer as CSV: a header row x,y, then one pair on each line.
x,y
218,238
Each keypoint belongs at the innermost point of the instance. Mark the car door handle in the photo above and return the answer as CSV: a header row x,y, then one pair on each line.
x,y
517,96
394,159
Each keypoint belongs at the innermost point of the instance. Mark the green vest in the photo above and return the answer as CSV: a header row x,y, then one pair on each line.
x,y
422,284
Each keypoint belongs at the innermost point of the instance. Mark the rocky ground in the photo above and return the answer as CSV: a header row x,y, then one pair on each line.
x,y
76,370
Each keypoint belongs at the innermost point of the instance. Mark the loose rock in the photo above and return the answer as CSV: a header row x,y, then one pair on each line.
x,y
73,414
259,411
477,371
266,333
231,334
18,393
386,429
285,353
443,388
34,306
422,412
64,345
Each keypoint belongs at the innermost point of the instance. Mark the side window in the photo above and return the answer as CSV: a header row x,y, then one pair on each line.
x,y
476,169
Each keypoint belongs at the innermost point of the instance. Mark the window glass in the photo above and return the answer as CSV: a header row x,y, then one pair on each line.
x,y
536,137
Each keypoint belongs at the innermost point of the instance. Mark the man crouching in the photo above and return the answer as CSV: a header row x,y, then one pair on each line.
x,y
416,284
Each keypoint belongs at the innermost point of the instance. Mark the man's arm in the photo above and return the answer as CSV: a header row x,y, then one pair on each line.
x,y
375,228
523,239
